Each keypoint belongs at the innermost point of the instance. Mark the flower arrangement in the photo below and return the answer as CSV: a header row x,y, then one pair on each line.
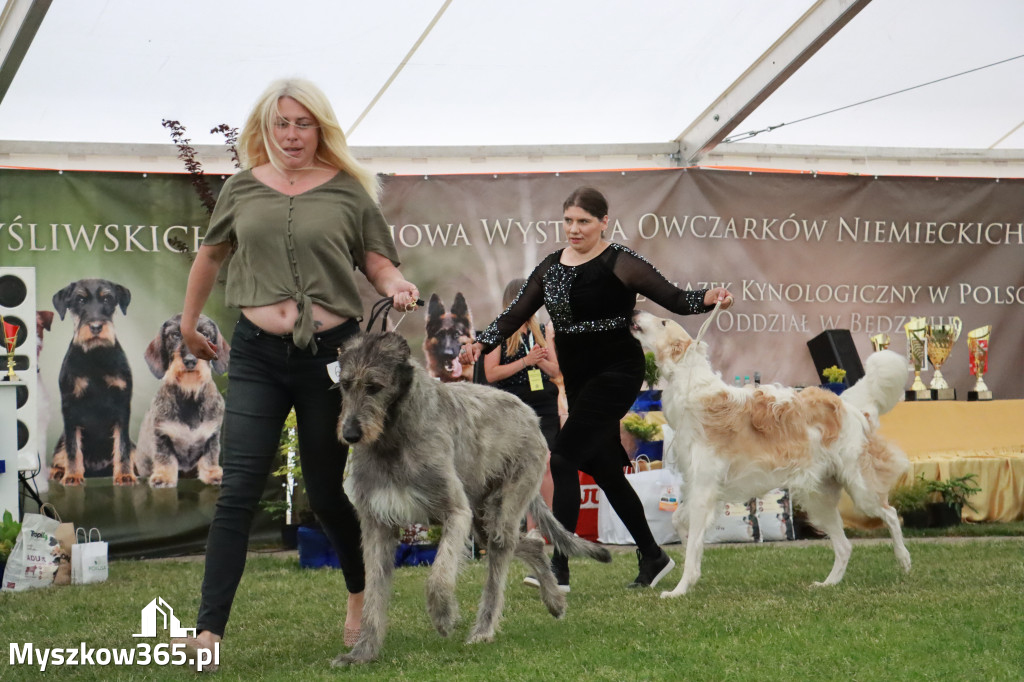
x,y
833,374
640,428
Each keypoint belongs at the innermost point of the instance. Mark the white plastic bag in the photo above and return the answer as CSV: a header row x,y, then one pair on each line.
x,y
36,555
651,486
88,558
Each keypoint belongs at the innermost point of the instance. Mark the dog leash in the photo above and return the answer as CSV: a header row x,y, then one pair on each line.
x,y
381,309
707,323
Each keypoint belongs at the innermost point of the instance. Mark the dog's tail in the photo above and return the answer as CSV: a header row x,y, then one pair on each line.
x,y
881,387
565,542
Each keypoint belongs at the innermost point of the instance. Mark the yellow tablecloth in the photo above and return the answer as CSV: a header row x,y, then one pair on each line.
x,y
946,439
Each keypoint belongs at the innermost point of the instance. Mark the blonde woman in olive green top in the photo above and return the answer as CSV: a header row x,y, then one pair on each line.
x,y
301,217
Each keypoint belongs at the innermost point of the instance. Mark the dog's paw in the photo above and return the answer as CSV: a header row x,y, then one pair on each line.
x,y
480,637
445,617
57,474
557,607
71,480
213,476
350,658
125,479
443,608
158,481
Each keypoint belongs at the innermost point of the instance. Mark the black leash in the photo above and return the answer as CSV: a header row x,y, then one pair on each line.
x,y
381,309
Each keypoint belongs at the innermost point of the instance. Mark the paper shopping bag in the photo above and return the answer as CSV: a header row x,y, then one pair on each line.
x,y
65,535
88,558
36,555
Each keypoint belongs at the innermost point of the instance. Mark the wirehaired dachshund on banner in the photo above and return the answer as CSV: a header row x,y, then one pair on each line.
x,y
181,430
95,387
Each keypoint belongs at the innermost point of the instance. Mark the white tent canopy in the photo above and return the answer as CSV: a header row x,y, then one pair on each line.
x,y
648,83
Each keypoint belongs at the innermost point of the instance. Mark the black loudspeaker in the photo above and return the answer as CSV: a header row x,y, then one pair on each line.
x,y
18,307
835,347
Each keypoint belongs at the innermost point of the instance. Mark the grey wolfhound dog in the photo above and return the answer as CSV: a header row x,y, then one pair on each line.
x,y
468,456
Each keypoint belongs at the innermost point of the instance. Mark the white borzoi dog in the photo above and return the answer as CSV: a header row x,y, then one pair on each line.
x,y
736,443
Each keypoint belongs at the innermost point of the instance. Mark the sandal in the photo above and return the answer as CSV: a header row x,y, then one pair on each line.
x,y
351,636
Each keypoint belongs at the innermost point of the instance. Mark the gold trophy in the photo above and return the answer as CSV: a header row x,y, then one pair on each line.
x,y
917,343
11,342
880,342
977,345
941,338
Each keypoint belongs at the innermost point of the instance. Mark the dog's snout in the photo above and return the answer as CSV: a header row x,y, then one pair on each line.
x,y
351,432
96,327
190,361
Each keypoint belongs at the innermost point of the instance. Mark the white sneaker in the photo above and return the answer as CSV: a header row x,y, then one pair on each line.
x,y
533,582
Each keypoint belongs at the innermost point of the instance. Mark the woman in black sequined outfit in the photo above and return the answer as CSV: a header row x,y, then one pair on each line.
x,y
590,291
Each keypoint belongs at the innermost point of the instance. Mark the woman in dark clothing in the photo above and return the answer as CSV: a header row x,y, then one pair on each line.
x,y
590,291
524,365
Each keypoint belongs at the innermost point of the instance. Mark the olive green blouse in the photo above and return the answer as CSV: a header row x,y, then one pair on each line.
x,y
303,247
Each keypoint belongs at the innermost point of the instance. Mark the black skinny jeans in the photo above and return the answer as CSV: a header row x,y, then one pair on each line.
x,y
267,376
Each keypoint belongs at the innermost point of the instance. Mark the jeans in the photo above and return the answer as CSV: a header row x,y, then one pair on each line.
x,y
268,376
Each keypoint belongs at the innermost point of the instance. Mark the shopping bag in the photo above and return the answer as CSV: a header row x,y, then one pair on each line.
x,y
650,486
88,558
36,555
65,535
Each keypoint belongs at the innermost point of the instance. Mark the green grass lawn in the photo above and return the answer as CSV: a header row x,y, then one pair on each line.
x,y
959,615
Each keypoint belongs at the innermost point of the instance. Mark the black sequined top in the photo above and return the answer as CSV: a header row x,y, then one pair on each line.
x,y
599,295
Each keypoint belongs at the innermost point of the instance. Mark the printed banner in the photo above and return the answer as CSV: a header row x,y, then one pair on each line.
x,y
801,253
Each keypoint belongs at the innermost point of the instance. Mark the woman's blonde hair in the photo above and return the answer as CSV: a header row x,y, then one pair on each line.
x,y
513,342
254,143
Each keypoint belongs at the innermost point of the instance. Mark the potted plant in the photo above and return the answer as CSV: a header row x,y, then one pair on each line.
x,y
911,501
644,435
9,529
417,544
954,493
835,379
293,510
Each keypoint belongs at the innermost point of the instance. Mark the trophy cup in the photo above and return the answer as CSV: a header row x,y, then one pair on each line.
x,y
917,341
941,338
977,345
11,342
880,342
